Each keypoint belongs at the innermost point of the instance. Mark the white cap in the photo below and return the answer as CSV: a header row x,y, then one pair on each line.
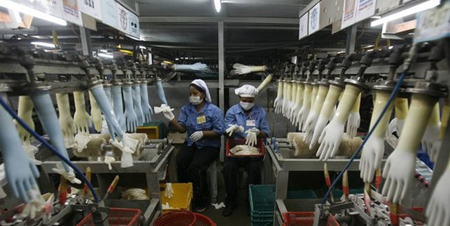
x,y
246,91
202,84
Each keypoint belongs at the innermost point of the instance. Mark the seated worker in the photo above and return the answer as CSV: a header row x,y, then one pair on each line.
x,y
241,119
203,123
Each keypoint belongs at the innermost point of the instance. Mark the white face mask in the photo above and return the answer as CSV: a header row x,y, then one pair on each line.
x,y
247,106
195,100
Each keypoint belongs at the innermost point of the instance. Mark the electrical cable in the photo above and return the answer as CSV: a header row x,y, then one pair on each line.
x,y
391,98
46,144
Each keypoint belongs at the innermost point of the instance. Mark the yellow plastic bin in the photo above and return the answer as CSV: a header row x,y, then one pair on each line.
x,y
182,196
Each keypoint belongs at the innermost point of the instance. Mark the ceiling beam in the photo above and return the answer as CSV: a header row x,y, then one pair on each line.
x,y
248,20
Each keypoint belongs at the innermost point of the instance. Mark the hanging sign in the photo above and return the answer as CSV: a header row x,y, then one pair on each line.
x,y
92,8
349,14
122,19
133,26
109,13
366,9
314,17
71,12
357,10
303,29
433,24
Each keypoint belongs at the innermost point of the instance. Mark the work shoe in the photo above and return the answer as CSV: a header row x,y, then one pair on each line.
x,y
228,210
201,206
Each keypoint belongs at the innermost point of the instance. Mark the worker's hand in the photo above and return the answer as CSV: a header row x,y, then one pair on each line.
x,y
330,139
353,123
438,209
429,137
251,139
234,128
169,115
255,130
371,157
398,172
196,136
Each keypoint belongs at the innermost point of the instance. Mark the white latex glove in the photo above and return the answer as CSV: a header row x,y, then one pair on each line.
x,y
121,146
320,126
70,176
371,157
278,104
292,109
353,124
196,136
191,67
31,151
35,208
438,209
302,116
330,139
81,141
251,139
129,142
168,192
126,160
96,113
25,112
81,117
429,138
398,172
234,128
109,160
295,112
309,126
400,125
241,69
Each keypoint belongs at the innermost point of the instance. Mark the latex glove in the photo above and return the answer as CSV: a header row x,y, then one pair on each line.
x,y
137,104
398,171
371,158
318,129
330,139
124,146
168,192
130,143
35,208
196,136
81,117
126,160
429,138
295,113
400,125
161,93
118,106
95,113
191,67
303,115
353,124
25,111
306,106
241,69
234,128
105,106
255,130
108,94
434,153
309,126
130,115
278,104
169,115
68,175
438,209
21,178
146,108
251,139
65,118
109,160
81,141
264,83
31,151
164,108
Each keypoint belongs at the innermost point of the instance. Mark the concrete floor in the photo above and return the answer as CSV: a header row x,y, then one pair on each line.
x,y
240,216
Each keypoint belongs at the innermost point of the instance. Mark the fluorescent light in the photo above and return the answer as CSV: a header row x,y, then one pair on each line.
x,y
104,55
32,12
406,12
103,51
177,58
142,47
45,44
390,47
218,5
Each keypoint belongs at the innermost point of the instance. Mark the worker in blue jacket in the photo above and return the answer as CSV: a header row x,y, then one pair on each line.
x,y
203,123
243,121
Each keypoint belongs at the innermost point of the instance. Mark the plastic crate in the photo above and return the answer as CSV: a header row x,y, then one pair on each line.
x,y
304,219
262,203
116,217
233,142
182,196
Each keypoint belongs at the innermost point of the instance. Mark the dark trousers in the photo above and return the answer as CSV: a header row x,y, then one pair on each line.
x,y
192,163
230,175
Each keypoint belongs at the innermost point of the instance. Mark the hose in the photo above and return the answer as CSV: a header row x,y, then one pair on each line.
x,y
47,145
391,98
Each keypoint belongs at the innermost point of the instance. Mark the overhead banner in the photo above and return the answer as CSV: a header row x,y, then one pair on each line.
x,y
52,7
109,13
123,23
314,19
357,10
71,12
133,25
303,29
92,8
433,24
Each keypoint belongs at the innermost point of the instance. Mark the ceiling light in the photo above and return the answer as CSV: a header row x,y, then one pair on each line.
x,y
104,55
32,12
142,47
218,5
45,44
103,51
406,12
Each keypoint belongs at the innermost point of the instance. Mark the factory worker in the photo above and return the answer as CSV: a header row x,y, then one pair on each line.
x,y
203,123
239,120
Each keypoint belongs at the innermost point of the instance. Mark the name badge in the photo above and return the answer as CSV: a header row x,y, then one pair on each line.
x,y
251,123
201,119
